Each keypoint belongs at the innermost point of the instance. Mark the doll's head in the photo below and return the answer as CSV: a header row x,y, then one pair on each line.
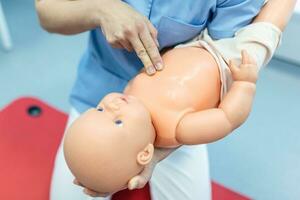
x,y
109,144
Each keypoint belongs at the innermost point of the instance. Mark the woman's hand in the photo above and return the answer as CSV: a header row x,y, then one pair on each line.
x,y
137,182
125,28
122,26
90,192
140,180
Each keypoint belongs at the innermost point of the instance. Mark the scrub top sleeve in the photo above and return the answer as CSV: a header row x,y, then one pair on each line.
x,y
231,15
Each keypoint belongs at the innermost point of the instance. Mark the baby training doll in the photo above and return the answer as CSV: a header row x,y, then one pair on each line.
x,y
109,144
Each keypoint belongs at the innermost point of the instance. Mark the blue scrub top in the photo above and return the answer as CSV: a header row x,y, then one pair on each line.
x,y
104,69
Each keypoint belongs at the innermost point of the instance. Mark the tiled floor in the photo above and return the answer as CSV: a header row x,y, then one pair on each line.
x,y
261,159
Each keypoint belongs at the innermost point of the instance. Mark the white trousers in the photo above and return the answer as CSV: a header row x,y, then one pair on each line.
x,y
182,175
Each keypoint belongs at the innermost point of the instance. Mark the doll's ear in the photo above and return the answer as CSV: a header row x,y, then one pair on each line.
x,y
145,156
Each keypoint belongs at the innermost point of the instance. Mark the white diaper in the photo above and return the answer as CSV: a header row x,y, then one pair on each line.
x,y
260,40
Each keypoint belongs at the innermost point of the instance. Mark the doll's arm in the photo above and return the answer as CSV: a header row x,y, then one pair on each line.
x,y
213,124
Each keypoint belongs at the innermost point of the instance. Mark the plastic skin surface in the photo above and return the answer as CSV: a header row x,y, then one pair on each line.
x,y
111,143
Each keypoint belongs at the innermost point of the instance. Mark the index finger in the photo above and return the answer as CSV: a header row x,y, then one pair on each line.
x,y
151,49
142,54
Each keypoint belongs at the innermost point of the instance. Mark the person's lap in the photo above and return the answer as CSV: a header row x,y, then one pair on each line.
x,y
182,175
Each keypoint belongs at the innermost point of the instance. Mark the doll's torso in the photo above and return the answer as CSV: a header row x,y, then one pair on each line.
x,y
189,82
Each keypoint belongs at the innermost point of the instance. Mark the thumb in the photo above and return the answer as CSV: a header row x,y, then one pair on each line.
x,y
232,66
140,180
137,182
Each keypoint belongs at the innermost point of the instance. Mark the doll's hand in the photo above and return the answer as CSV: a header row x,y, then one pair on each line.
x,y
248,70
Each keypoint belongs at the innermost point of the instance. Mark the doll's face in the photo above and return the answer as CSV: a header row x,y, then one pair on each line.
x,y
122,114
109,144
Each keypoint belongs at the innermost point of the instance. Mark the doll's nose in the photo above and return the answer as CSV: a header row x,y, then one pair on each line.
x,y
114,105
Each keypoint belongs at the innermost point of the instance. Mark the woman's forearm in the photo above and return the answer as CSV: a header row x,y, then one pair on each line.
x,y
69,16
162,153
277,12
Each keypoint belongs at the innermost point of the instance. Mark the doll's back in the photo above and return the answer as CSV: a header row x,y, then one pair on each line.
x,y
189,82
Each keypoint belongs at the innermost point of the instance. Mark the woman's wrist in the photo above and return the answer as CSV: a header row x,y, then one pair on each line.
x,y
101,10
162,153
70,17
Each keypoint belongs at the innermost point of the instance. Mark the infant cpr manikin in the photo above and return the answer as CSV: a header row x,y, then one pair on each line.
x,y
109,144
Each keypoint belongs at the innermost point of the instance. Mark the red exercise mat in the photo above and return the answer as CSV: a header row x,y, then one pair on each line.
x,y
27,148
30,133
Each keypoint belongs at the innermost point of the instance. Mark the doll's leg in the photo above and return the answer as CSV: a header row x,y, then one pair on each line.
x,y
182,175
62,186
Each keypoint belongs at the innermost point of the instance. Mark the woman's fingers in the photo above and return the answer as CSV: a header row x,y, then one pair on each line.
x,y
93,193
124,27
126,45
153,32
117,45
151,49
141,52
76,182
137,182
141,179
133,183
90,192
